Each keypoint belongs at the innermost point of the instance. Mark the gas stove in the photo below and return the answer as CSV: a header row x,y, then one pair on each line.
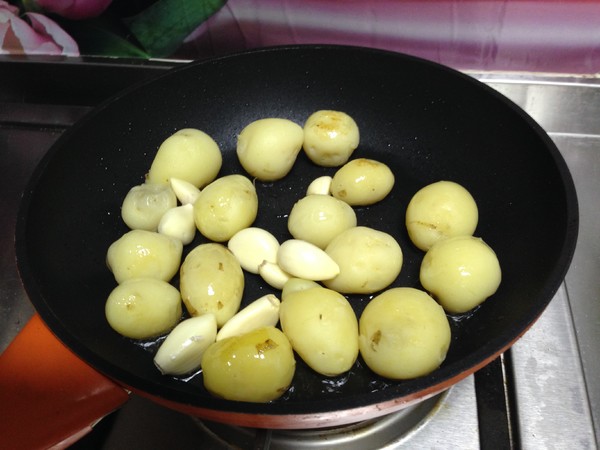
x,y
543,393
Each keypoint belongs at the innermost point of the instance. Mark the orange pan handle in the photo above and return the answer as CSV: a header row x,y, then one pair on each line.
x,y
49,398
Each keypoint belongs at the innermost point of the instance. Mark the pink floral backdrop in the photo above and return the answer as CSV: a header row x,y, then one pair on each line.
x,y
508,35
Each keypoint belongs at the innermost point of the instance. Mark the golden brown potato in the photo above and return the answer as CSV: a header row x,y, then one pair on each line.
x,y
190,155
330,137
142,308
369,260
144,205
141,253
226,206
253,367
211,281
460,272
404,334
322,328
267,148
440,210
362,182
319,218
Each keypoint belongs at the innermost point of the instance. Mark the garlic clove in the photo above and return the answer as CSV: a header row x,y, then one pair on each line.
x,y
251,246
260,313
181,352
302,259
185,191
273,274
179,223
321,185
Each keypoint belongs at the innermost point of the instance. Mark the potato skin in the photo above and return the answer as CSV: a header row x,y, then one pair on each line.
x,y
460,272
362,182
190,155
322,328
253,367
141,253
267,148
226,206
211,281
369,260
142,308
319,218
144,205
440,210
330,137
404,334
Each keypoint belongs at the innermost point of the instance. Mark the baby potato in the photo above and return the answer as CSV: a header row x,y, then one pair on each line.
x,y
297,284
369,260
190,155
225,206
141,308
322,328
362,182
144,205
330,137
404,334
211,281
141,253
460,272
267,148
440,210
254,367
319,218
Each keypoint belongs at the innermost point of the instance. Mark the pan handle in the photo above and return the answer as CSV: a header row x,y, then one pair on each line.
x,y
50,398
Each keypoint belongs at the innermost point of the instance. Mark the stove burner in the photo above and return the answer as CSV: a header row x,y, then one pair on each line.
x,y
373,433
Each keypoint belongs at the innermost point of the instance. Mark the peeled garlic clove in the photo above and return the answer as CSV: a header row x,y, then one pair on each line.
x,y
321,185
185,191
260,313
251,246
273,274
182,350
305,260
179,223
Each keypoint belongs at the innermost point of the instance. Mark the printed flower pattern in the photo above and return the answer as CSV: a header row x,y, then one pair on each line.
x,y
32,34
74,9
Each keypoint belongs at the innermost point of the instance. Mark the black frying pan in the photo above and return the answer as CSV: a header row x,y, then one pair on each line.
x,y
427,122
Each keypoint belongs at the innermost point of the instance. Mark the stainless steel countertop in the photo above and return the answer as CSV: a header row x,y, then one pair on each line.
x,y
556,363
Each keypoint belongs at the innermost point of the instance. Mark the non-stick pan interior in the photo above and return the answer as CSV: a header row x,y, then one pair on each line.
x,y
427,122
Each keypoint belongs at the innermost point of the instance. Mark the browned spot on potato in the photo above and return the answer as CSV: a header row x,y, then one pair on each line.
x,y
429,225
269,344
220,305
221,266
375,338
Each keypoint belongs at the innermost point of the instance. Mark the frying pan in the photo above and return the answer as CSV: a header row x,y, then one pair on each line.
x,y
426,121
